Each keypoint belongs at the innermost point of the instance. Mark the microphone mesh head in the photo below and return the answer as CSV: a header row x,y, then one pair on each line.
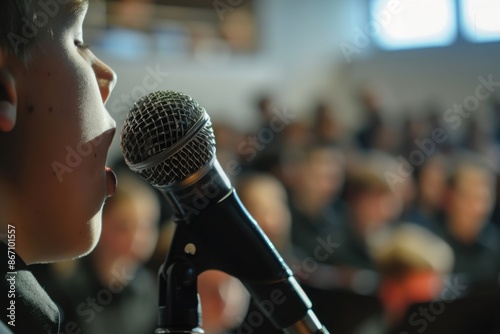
x,y
156,123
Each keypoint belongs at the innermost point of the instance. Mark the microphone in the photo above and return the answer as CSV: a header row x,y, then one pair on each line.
x,y
167,138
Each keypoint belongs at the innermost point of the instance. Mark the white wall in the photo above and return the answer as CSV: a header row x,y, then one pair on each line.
x,y
299,48
300,60
447,74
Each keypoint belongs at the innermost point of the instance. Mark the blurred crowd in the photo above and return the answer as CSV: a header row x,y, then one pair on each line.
x,y
393,211
371,222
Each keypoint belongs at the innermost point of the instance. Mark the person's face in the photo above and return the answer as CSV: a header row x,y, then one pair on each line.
x,y
322,176
130,230
471,199
375,209
266,202
432,184
56,180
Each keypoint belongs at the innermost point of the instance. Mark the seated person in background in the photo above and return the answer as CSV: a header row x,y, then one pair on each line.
x,y
325,125
110,291
319,174
465,225
413,263
266,200
371,209
431,186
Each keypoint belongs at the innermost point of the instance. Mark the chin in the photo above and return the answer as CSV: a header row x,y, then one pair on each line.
x,y
94,228
65,243
87,240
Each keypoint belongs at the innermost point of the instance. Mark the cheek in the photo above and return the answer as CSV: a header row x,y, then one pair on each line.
x,y
72,86
62,173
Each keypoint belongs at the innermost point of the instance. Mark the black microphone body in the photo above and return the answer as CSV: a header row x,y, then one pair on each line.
x,y
214,230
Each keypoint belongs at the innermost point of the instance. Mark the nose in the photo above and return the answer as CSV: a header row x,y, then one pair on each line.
x,y
106,78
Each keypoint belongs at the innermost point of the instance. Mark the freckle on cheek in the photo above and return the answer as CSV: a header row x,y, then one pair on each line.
x,y
50,109
95,155
48,74
31,109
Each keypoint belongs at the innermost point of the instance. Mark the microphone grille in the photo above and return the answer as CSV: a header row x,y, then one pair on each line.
x,y
166,137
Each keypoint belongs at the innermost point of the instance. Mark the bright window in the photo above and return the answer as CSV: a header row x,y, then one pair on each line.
x,y
406,24
480,20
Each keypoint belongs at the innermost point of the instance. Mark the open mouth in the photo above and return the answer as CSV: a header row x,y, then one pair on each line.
x,y
111,182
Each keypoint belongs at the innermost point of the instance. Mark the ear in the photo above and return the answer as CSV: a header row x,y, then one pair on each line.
x,y
8,96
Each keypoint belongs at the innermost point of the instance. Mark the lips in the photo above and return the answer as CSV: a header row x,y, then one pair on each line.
x,y
111,182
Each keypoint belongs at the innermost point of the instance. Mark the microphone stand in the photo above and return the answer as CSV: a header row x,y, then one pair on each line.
x,y
203,242
179,307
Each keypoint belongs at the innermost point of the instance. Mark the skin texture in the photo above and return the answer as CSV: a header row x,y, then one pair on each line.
x,y
58,99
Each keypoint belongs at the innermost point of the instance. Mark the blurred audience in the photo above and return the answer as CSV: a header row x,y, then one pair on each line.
x,y
470,194
312,182
327,129
266,200
224,301
110,291
227,140
372,207
431,185
413,264
377,132
319,178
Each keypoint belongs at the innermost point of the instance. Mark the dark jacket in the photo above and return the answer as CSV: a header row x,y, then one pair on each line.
x,y
31,309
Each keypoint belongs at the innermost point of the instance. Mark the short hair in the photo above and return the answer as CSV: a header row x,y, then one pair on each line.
x,y
366,174
11,24
411,247
18,15
464,161
306,152
364,180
